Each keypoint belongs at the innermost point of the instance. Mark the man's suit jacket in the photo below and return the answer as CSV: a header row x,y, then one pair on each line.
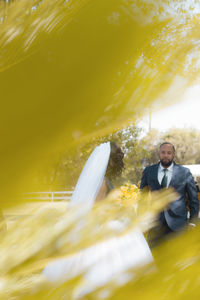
x,y
183,183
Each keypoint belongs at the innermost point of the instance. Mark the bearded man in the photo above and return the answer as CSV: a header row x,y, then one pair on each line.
x,y
169,174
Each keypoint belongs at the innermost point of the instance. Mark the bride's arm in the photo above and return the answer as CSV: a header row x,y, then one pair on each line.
x,y
102,192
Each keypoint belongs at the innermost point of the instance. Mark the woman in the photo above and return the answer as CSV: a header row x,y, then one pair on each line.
x,y
102,167
114,169
100,262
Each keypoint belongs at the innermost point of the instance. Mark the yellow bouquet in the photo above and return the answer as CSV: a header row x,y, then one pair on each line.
x,y
129,195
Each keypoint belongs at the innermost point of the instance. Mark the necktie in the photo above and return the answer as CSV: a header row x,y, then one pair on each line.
x,y
164,179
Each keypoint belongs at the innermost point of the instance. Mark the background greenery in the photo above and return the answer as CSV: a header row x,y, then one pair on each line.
x,y
140,151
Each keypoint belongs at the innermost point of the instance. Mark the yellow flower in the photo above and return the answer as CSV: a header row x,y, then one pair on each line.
x,y
129,194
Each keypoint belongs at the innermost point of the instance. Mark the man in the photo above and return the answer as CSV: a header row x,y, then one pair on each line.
x,y
168,174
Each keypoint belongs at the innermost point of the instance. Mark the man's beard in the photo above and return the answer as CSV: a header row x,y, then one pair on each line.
x,y
166,163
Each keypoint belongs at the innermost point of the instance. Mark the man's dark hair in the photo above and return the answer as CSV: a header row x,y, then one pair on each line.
x,y
167,143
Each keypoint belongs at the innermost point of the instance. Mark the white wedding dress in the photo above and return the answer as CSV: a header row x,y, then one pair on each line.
x,y
106,260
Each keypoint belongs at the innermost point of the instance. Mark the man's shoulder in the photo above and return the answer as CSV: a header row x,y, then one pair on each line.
x,y
151,167
181,168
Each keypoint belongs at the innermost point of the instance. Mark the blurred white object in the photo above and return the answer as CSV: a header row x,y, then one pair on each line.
x,y
92,175
194,169
102,261
192,224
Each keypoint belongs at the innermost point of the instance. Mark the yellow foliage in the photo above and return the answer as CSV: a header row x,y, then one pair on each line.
x,y
75,69
55,231
129,194
71,70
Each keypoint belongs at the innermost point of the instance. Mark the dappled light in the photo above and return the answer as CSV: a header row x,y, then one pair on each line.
x,y
75,73
82,68
79,238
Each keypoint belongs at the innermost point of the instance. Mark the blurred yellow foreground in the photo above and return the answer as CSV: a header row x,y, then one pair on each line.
x,y
71,70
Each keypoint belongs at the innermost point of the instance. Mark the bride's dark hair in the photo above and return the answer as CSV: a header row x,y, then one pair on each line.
x,y
115,164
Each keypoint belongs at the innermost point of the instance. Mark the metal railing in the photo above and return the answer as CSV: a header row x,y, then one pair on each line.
x,y
49,196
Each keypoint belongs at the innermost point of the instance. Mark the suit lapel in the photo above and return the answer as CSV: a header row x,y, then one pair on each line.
x,y
155,176
174,174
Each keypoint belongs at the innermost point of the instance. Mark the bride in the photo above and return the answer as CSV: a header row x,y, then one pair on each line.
x,y
104,164
101,262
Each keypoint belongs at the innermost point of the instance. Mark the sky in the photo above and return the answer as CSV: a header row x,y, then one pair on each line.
x,y
184,114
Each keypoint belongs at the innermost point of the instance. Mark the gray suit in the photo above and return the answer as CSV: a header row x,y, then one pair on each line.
x,y
182,181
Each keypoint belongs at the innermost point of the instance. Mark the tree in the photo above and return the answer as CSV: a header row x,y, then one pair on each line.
x,y
64,174
134,150
139,153
128,138
186,142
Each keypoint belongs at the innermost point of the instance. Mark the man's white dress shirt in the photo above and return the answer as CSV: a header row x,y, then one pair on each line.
x,y
168,173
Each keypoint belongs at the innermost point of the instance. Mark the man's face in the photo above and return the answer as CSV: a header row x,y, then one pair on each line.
x,y
166,155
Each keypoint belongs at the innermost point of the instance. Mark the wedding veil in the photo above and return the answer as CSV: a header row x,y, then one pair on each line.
x,y
92,176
